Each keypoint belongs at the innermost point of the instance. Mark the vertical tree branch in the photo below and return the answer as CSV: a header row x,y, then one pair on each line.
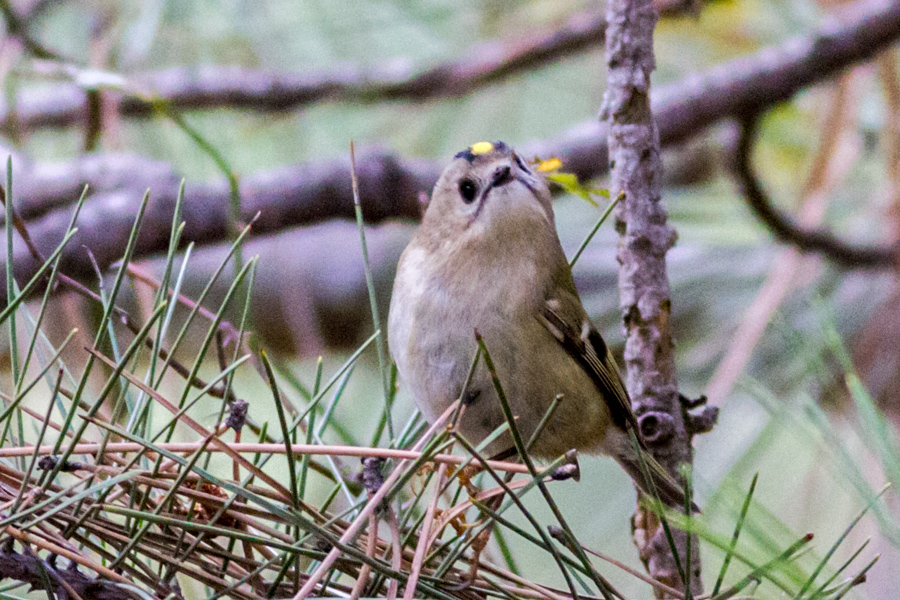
x,y
645,237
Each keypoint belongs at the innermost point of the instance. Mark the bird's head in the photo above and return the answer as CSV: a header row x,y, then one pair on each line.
x,y
488,189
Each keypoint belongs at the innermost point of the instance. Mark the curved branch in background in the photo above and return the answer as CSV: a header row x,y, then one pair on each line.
x,y
791,269
788,231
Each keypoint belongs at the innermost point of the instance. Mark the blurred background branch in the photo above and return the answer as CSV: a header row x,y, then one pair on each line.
x,y
785,230
391,186
215,86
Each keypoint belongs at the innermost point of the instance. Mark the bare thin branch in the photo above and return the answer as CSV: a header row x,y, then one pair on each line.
x,y
265,448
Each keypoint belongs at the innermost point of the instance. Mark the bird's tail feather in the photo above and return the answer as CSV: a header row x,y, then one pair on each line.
x,y
660,483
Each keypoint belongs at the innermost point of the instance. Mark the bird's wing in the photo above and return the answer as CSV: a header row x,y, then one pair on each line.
x,y
567,322
564,317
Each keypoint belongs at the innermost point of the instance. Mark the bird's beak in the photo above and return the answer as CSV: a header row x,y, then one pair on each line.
x,y
501,176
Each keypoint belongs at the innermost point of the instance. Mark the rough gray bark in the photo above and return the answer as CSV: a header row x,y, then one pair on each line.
x,y
645,237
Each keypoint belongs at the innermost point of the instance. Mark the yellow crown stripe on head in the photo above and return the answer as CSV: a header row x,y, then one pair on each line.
x,y
481,147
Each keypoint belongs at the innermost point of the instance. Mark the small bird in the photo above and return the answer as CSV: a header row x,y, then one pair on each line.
x,y
487,258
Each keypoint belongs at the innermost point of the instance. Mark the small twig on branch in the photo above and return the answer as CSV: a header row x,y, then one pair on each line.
x,y
785,229
17,26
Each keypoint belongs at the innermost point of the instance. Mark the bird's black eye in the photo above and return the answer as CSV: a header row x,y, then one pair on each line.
x,y
467,189
522,164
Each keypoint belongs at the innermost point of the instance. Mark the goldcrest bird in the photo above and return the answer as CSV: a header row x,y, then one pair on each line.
x,y
487,258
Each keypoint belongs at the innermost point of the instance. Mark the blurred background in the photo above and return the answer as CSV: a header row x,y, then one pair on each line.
x,y
254,105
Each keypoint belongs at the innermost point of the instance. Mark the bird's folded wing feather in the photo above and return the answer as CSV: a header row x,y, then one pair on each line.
x,y
566,321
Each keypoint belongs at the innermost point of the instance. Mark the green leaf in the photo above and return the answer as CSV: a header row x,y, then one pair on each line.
x,y
569,182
